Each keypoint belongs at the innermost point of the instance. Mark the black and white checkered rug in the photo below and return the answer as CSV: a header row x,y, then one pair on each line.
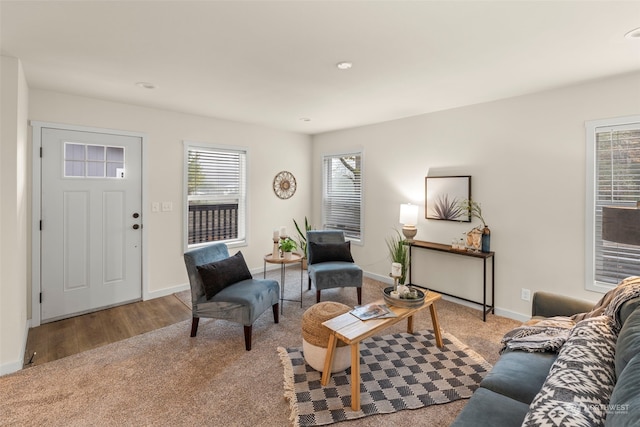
x,y
400,371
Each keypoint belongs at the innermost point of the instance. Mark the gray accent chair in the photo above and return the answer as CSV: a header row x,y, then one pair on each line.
x,y
330,273
242,302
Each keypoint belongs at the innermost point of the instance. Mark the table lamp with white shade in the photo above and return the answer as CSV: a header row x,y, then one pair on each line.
x,y
409,220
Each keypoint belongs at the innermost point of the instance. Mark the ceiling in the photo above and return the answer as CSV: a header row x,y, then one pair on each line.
x,y
273,63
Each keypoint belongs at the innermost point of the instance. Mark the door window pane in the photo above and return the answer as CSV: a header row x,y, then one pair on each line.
x,y
93,161
115,162
74,151
73,168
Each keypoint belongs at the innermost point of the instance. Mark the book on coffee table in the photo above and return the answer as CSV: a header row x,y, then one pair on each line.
x,y
372,311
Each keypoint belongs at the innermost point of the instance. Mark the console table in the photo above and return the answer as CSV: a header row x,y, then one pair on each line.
x,y
484,256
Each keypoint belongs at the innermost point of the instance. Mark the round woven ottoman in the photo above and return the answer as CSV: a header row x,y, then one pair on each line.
x,y
315,336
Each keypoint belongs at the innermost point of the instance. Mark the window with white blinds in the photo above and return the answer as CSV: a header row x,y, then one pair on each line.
x,y
615,149
342,194
216,194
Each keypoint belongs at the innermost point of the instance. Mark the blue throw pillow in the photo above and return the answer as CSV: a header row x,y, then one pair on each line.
x,y
327,252
219,274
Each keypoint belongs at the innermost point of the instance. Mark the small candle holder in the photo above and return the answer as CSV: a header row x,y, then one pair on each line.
x,y
395,281
275,252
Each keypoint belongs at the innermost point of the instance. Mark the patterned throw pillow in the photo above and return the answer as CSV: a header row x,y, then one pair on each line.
x,y
578,388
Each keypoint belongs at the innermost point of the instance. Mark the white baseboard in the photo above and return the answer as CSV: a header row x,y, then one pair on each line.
x,y
17,365
512,315
379,278
256,272
11,367
259,271
166,291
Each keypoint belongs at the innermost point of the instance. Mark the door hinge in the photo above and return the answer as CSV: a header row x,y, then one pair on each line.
x,y
40,297
40,225
40,152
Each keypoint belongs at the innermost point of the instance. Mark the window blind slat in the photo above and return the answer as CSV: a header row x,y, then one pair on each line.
x,y
342,194
216,194
617,184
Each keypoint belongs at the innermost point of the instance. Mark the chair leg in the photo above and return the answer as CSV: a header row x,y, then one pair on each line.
x,y
359,291
317,296
247,337
309,283
276,312
194,326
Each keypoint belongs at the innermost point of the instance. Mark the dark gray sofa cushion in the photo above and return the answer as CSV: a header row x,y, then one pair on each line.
x,y
628,344
627,308
519,374
624,407
487,408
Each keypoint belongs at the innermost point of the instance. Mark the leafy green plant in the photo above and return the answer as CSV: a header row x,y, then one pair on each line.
x,y
399,252
473,209
302,236
288,245
446,208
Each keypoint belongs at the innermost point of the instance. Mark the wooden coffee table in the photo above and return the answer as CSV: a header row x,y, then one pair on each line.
x,y
351,330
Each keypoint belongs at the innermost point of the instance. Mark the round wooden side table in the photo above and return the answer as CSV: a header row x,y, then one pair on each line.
x,y
295,258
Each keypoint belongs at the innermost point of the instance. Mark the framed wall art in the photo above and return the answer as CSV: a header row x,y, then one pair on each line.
x,y
443,197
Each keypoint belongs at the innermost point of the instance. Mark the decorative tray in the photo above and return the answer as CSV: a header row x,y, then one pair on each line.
x,y
402,302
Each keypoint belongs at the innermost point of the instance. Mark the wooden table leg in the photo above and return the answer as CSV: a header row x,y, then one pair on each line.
x,y
410,325
328,359
436,325
355,376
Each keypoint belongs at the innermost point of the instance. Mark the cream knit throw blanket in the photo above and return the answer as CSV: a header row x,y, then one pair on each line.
x,y
551,333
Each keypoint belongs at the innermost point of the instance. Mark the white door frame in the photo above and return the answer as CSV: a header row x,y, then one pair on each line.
x,y
36,207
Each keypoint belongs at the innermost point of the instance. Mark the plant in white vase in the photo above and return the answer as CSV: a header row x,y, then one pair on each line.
x,y
287,245
399,252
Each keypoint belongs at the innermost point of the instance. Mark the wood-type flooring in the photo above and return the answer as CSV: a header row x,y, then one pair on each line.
x,y
55,340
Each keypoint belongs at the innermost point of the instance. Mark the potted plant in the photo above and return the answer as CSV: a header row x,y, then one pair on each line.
x,y
474,209
399,252
302,240
287,245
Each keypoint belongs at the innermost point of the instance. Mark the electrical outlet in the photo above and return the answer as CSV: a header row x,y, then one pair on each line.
x,y
526,294
167,206
155,207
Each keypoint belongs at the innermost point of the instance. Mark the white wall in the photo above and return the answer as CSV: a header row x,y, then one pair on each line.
x,y
14,219
526,156
270,151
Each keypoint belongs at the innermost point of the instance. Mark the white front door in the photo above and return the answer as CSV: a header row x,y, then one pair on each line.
x,y
91,229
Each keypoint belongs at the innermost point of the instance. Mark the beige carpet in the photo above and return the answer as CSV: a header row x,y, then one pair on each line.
x,y
167,378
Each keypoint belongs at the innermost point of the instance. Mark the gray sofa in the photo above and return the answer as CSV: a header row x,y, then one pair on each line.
x,y
504,396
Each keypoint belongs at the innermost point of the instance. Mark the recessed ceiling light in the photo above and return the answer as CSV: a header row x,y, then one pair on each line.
x,y
633,34
344,65
146,85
